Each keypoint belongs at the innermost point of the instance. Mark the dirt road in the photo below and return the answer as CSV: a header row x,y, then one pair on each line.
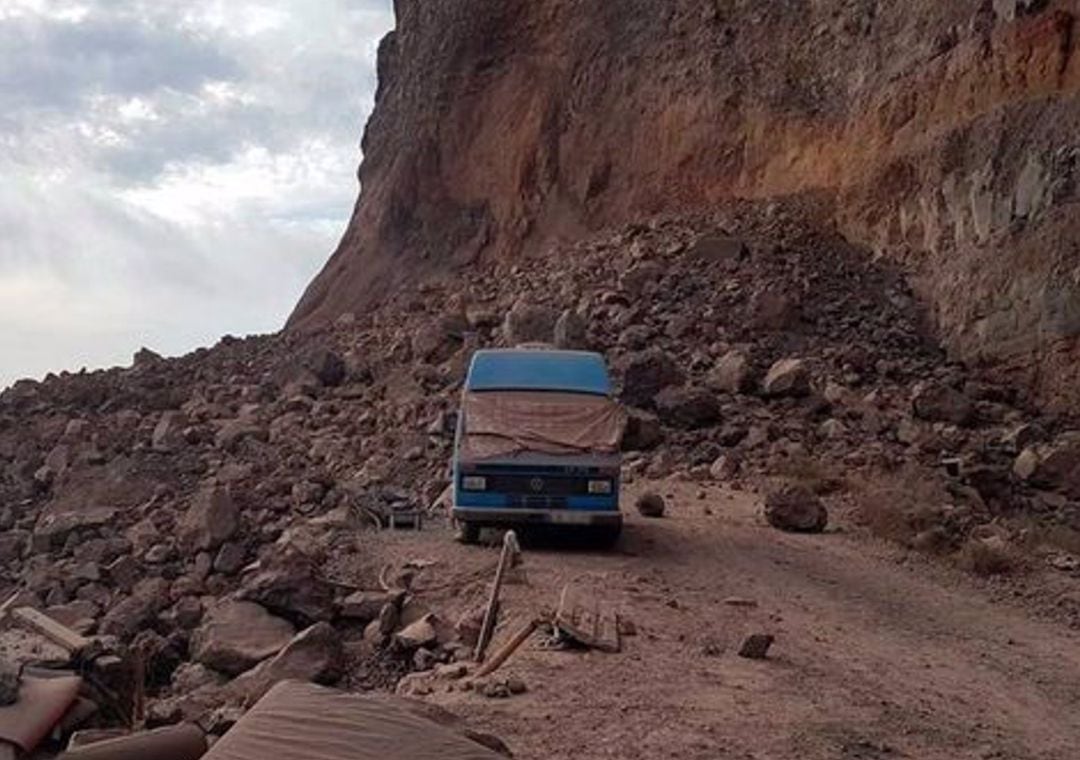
x,y
877,654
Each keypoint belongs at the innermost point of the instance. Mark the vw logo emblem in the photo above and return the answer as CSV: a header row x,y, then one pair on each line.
x,y
536,484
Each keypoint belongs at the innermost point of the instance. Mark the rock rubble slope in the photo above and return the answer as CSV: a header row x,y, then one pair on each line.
x,y
207,509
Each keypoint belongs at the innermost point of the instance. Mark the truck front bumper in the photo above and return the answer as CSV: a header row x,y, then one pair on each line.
x,y
495,516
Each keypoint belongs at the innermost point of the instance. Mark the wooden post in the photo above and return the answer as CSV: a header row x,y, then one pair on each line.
x,y
509,550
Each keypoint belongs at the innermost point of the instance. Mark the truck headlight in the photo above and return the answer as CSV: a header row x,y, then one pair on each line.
x,y
474,483
600,487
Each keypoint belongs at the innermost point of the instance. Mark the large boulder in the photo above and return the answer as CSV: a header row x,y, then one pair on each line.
x,y
138,610
687,407
529,323
731,373
13,544
211,519
167,435
1053,465
571,331
231,432
315,654
52,530
365,606
773,308
646,373
326,365
795,509
651,504
718,250
937,402
642,432
291,585
236,636
787,377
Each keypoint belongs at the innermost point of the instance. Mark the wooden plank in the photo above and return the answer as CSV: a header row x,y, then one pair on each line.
x,y
583,617
508,648
509,552
59,634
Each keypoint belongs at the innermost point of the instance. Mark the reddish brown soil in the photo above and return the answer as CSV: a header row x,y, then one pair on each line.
x,y
878,654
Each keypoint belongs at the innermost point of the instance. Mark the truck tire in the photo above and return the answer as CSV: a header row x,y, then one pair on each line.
x,y
468,532
606,536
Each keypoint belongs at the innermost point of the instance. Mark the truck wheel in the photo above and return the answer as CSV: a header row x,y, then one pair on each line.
x,y
468,532
608,535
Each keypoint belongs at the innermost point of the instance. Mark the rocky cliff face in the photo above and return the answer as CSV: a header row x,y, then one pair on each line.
x,y
944,136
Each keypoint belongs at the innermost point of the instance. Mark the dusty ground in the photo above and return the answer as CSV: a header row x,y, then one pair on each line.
x,y
879,654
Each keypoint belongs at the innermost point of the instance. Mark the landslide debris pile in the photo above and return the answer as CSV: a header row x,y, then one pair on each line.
x,y
205,510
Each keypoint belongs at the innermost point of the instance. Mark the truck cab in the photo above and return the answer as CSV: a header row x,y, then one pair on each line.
x,y
537,442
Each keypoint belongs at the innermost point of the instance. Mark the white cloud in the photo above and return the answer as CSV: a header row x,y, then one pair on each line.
x,y
171,171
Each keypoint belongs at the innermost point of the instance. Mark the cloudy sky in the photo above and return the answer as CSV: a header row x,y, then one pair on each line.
x,y
171,171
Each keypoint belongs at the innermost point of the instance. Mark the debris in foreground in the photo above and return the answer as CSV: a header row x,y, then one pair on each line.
x,y
183,742
301,721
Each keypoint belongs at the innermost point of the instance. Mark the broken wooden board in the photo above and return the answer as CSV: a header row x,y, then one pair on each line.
x,y
59,634
583,617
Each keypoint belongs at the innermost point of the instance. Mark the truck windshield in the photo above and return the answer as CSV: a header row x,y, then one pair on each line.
x,y
500,423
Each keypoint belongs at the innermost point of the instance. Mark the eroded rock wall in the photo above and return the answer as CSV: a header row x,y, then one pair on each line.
x,y
946,136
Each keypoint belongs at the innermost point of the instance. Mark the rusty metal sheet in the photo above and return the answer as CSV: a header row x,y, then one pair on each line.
x,y
301,721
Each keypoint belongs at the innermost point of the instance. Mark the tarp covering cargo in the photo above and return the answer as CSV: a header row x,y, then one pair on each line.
x,y
500,423
301,721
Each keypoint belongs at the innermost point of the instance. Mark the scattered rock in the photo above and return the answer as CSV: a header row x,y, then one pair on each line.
x,y
326,365
571,331
687,407
211,519
732,373
645,374
529,323
365,606
1053,465
795,509
230,558
651,505
988,555
773,308
418,634
53,530
739,601
756,646
190,677
725,467
787,377
137,611
936,402
291,585
718,250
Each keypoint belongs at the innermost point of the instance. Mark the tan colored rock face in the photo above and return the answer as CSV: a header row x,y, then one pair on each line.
x,y
944,132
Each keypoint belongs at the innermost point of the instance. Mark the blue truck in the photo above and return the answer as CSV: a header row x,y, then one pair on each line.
x,y
537,442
